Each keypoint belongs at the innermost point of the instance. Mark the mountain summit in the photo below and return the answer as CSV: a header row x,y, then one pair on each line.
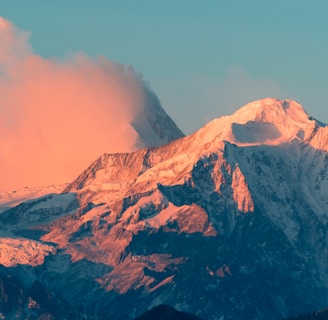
x,y
227,223
268,121
272,110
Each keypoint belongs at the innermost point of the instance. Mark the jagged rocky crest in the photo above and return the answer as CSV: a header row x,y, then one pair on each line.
x,y
227,223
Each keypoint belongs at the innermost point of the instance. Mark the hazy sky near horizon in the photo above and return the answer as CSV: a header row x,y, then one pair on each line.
x,y
203,59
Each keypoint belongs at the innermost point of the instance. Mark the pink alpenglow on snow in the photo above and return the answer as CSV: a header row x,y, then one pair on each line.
x,y
56,116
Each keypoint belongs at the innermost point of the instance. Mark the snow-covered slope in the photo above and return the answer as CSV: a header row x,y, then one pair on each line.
x,y
23,251
9,199
227,223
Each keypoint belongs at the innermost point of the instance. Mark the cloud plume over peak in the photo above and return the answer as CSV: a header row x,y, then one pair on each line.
x,y
57,116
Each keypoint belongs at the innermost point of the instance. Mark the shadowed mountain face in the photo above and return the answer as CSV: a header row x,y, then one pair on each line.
x,y
319,315
34,302
227,223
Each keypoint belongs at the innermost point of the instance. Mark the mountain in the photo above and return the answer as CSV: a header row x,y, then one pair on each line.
x,y
227,223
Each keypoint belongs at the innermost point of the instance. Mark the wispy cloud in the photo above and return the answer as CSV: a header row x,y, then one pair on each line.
x,y
207,98
238,88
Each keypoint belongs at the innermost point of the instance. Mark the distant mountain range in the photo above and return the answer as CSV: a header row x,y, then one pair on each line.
x,y
227,223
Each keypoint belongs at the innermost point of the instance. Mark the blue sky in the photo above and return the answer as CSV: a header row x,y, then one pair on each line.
x,y
203,59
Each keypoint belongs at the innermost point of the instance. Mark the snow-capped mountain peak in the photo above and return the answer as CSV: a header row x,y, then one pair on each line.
x,y
268,121
272,110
